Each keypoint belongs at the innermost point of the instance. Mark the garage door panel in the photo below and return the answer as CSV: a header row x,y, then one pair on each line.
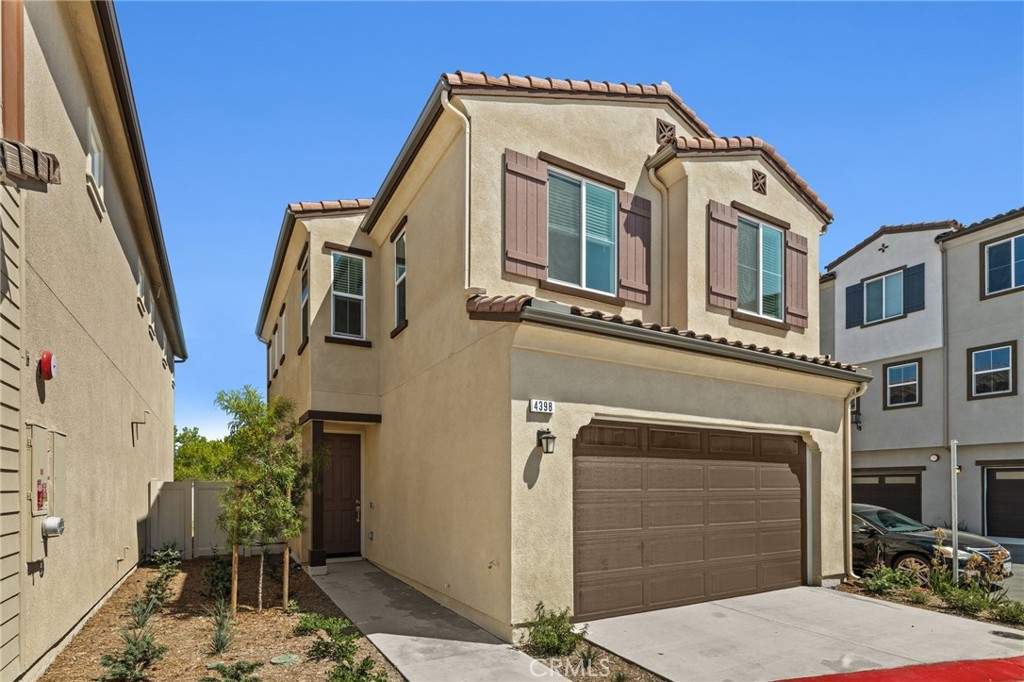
x,y
602,557
710,515
606,474
1004,511
663,515
674,550
896,490
732,477
602,517
675,475
732,511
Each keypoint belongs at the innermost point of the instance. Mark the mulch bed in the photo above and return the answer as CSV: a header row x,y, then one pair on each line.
x,y
934,603
182,626
606,666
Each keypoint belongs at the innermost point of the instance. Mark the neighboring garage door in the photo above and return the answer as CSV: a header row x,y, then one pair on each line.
x,y
665,516
899,491
1004,502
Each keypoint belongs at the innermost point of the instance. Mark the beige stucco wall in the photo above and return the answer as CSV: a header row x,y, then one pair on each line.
x,y
80,302
590,376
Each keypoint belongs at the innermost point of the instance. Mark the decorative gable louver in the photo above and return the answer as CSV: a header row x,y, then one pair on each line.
x,y
526,215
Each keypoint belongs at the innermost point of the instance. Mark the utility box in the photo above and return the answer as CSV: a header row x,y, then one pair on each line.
x,y
39,486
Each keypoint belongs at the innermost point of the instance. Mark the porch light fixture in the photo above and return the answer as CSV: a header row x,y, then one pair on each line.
x,y
546,441
856,419
934,457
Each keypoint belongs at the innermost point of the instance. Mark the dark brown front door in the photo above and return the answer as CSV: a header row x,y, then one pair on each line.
x,y
669,516
341,495
1004,510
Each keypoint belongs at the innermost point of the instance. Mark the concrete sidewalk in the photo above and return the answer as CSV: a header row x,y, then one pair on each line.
x,y
424,640
797,632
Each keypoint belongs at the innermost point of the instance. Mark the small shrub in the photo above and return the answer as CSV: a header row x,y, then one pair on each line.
x,y
140,610
619,677
217,574
332,648
240,671
157,591
551,633
1008,611
139,653
916,596
220,615
587,657
967,600
167,559
346,671
334,626
292,608
884,580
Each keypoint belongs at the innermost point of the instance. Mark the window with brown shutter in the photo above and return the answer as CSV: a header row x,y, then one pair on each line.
x,y
526,215
723,257
796,279
634,248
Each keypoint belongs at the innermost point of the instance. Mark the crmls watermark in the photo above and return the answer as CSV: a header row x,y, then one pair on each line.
x,y
597,668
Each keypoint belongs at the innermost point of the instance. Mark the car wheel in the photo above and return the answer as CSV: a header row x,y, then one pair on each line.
x,y
914,565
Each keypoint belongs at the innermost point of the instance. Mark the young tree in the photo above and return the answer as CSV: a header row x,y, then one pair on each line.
x,y
197,457
267,476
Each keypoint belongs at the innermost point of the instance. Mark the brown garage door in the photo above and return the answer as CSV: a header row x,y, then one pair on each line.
x,y
665,516
896,490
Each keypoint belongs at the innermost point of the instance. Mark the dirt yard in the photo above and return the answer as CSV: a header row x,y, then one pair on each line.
x,y
183,627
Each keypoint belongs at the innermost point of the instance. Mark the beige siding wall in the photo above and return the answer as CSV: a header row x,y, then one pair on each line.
x,y
11,558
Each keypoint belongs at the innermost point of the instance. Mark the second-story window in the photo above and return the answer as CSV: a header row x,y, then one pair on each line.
x,y
883,297
304,302
581,232
991,370
902,384
347,292
760,281
400,282
1004,265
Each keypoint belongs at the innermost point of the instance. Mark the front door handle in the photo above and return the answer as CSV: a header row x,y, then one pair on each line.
x,y
358,511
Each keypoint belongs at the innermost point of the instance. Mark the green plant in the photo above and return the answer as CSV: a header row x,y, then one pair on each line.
x,y
158,591
220,615
619,676
1008,611
217,574
292,608
347,671
587,657
168,559
332,648
197,457
239,671
967,599
139,653
334,626
916,596
551,633
884,580
140,610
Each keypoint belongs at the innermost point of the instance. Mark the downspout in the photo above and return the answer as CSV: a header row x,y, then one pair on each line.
x,y
945,347
448,106
848,480
663,191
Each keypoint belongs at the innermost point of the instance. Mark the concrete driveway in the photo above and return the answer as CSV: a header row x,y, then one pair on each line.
x,y
797,632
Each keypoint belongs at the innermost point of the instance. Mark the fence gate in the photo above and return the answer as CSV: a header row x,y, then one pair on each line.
x,y
184,514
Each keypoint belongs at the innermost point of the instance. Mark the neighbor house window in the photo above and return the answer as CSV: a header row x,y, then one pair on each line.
x,y
348,296
1004,265
581,232
94,158
883,297
304,302
761,248
400,286
992,370
903,384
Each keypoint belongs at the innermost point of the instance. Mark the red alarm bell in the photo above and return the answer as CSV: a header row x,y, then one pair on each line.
x,y
48,365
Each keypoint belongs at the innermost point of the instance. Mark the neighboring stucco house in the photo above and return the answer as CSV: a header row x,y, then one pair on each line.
x,y
936,312
83,275
494,353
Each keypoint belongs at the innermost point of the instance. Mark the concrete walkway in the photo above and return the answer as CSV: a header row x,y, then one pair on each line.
x,y
799,632
424,640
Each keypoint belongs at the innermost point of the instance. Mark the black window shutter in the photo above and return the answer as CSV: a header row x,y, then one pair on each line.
x,y
913,288
854,305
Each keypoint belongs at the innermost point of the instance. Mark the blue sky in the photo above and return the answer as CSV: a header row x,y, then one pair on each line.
x,y
892,112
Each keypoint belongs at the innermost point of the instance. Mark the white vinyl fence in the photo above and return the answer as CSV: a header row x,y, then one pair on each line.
x,y
184,513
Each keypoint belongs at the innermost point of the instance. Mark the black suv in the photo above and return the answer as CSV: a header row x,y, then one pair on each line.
x,y
883,536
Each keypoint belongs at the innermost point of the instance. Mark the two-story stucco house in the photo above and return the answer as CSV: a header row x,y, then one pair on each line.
x,y
936,312
89,327
568,353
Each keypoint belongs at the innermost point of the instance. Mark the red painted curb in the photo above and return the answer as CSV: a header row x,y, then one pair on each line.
x,y
988,670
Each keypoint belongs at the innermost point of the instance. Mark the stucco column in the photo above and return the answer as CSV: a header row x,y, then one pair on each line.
x,y
317,553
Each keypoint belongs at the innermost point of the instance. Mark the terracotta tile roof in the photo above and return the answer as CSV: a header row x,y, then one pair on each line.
x,y
895,229
959,230
688,145
507,307
353,205
826,277
580,87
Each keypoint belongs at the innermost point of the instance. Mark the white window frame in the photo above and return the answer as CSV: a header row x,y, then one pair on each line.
x,y
884,317
361,299
975,373
583,234
761,225
304,297
916,383
399,279
1013,265
94,157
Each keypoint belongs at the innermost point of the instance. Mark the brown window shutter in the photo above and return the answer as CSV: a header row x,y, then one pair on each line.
x,y
526,215
796,279
723,259
634,248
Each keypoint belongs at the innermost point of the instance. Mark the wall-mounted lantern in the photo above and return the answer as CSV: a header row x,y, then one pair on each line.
x,y
546,441
856,418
